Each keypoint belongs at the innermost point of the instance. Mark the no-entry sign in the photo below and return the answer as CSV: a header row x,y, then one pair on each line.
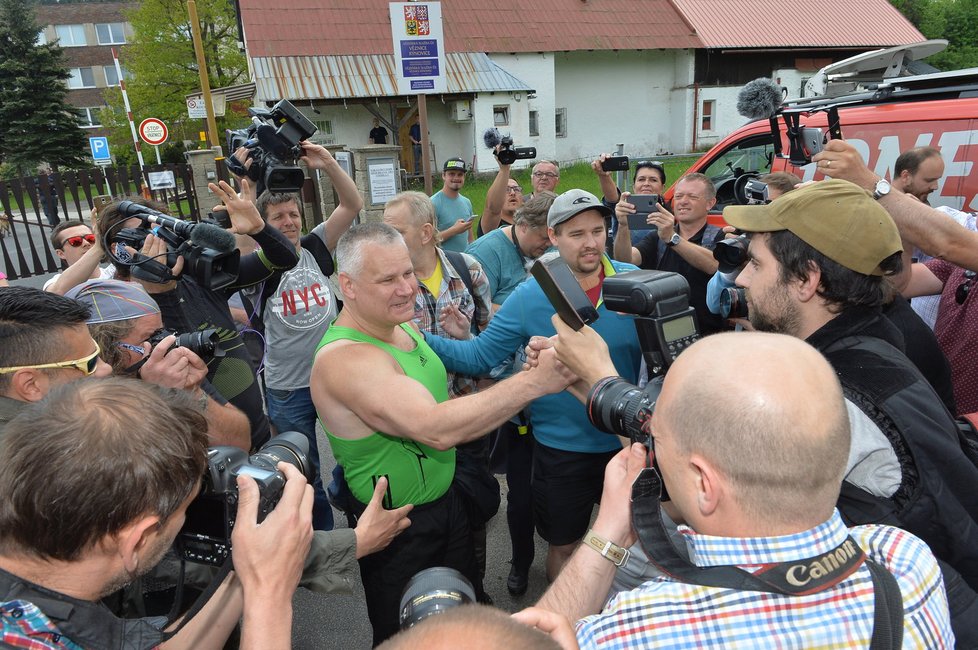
x,y
153,131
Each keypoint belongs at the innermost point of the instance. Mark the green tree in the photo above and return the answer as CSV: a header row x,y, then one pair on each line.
x,y
37,124
954,20
163,69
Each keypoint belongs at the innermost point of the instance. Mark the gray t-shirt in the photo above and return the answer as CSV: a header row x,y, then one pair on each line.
x,y
296,317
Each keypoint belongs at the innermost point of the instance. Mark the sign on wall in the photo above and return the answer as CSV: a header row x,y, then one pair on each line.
x,y
419,47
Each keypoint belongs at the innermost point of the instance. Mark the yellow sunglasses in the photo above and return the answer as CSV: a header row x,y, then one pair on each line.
x,y
86,365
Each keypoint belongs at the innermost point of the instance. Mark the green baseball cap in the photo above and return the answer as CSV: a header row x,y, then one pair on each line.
x,y
835,217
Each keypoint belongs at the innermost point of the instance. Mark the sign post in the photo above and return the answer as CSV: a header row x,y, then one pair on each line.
x,y
154,132
419,60
102,156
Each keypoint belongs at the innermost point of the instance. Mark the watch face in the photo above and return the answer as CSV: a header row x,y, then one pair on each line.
x,y
675,239
882,188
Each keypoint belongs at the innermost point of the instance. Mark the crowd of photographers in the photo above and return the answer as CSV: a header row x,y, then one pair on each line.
x,y
801,484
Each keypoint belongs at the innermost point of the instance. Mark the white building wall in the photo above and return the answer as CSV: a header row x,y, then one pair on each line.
x,y
681,102
725,116
616,97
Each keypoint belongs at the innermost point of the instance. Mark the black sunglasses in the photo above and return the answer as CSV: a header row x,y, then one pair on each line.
x,y
961,293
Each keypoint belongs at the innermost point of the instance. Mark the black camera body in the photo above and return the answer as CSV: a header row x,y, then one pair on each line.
x,y
213,268
731,253
273,143
509,154
206,534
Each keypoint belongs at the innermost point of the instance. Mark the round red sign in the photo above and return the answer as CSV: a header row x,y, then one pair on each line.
x,y
153,131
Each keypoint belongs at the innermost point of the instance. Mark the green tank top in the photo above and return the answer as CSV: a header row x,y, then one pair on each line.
x,y
416,473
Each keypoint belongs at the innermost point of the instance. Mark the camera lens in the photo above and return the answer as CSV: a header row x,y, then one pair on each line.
x,y
433,591
733,303
731,253
615,407
291,447
203,343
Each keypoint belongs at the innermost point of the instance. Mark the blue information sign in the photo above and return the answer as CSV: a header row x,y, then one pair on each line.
x,y
419,49
420,67
100,149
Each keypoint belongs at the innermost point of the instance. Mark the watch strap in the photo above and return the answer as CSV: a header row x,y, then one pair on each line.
x,y
608,549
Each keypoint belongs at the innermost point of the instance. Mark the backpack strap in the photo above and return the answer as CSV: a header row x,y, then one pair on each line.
x,y
462,269
888,615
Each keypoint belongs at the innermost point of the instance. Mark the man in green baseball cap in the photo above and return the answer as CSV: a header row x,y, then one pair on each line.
x,y
818,261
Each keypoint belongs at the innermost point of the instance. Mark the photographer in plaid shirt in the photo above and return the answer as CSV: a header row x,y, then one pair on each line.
x,y
753,481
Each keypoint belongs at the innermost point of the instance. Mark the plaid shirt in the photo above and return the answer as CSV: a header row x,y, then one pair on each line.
x,y
663,613
453,291
926,306
25,626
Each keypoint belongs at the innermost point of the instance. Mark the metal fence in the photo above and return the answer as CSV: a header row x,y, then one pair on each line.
x,y
32,206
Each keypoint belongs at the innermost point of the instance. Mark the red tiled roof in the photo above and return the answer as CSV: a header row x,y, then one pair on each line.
x,y
344,27
813,23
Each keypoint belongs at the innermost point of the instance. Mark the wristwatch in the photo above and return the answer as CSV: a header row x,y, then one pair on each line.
x,y
882,189
675,239
608,549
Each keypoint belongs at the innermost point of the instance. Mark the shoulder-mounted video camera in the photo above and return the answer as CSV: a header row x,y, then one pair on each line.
x,y
209,252
273,143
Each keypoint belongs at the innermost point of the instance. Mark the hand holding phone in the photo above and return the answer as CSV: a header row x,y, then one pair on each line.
x,y
615,164
645,204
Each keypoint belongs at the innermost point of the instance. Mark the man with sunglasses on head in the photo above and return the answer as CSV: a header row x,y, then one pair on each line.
x,y
43,343
76,244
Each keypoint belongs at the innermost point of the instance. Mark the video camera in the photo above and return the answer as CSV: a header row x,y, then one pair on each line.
x,y
273,143
206,534
508,154
756,192
209,253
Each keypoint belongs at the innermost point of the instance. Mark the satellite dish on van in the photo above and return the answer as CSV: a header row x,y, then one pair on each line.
x,y
850,74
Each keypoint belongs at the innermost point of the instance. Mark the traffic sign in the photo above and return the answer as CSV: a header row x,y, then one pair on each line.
x,y
153,131
197,109
100,150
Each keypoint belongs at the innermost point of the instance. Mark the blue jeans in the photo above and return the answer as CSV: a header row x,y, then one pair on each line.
x,y
293,410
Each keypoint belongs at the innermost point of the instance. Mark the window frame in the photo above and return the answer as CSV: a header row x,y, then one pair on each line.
x,y
560,122
72,31
122,30
81,77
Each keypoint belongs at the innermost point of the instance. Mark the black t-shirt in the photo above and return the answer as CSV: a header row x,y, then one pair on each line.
x,y
659,257
379,135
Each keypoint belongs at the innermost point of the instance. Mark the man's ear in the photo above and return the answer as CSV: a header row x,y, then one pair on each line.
x,y
807,289
60,253
29,385
345,283
134,538
553,235
427,233
710,485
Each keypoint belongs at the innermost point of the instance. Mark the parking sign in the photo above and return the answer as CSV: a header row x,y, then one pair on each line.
x,y
100,150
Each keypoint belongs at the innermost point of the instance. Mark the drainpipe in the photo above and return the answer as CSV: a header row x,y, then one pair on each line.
x,y
696,111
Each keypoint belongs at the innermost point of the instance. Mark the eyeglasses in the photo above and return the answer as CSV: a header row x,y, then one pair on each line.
x,y
77,241
654,164
86,365
514,189
545,175
961,293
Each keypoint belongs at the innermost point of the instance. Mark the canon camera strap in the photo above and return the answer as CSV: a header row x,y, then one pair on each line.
x,y
796,578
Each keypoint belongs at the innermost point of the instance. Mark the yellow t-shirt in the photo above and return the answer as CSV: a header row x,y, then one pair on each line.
x,y
434,282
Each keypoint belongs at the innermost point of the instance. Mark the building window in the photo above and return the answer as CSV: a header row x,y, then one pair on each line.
x,y
324,132
534,123
42,38
706,123
500,115
81,78
110,33
71,35
560,123
89,117
111,78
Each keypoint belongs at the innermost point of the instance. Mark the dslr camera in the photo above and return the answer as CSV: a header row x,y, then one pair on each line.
x,y
209,253
206,534
206,344
273,143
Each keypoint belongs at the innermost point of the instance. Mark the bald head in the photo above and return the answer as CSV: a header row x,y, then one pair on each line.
x,y
476,627
767,411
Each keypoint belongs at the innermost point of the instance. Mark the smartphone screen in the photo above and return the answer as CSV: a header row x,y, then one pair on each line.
x,y
564,292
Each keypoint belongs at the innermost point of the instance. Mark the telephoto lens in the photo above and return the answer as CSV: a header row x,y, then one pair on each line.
x,y
432,591
733,302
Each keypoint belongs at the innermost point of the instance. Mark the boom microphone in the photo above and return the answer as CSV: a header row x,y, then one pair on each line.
x,y
759,99
491,138
210,236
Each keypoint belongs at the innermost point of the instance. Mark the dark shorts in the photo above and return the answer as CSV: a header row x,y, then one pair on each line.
x,y
566,485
